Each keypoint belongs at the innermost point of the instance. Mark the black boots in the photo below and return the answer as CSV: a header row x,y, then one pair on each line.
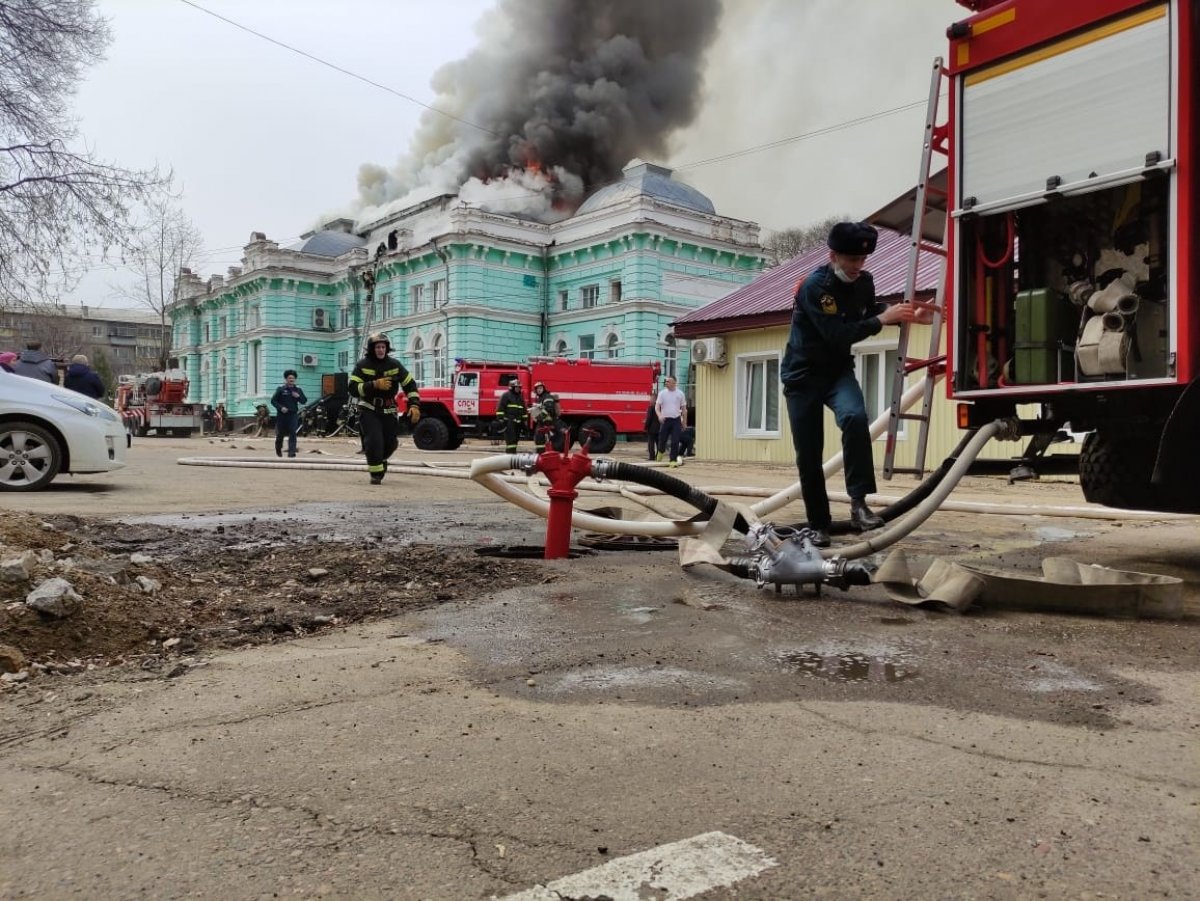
x,y
862,518
820,538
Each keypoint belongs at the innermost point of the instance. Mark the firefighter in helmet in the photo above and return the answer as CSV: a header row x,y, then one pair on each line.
x,y
545,414
513,412
377,381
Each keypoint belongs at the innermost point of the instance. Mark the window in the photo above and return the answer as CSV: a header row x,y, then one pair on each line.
x,y
416,296
418,358
612,347
670,358
560,348
254,370
587,347
614,291
253,317
439,360
343,360
564,300
758,396
222,378
876,371
223,327
385,301
97,331
439,291
346,323
207,332
589,296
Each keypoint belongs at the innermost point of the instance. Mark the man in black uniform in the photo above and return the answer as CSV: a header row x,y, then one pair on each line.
x,y
376,381
835,308
287,400
546,414
514,413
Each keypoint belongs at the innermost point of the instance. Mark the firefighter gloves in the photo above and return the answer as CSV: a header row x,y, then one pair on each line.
x,y
383,384
414,414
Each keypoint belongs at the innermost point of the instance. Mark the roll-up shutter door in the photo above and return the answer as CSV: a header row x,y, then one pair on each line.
x,y
1091,105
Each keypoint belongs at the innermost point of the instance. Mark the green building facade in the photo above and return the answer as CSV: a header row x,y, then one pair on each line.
x,y
452,280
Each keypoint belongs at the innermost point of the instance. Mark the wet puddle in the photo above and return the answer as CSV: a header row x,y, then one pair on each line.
x,y
850,667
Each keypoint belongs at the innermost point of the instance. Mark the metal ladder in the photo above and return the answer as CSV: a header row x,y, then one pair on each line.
x,y
936,137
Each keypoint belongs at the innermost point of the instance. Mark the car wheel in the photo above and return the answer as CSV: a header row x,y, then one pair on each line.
x,y
431,434
604,438
30,456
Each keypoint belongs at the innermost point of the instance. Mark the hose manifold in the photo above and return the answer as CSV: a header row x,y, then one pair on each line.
x,y
785,556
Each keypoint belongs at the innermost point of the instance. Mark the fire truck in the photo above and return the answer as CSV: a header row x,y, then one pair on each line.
x,y
608,398
155,401
1072,234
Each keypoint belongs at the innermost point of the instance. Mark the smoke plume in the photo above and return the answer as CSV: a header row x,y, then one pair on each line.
x,y
559,95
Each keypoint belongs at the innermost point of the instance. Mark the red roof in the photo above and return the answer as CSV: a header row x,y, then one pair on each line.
x,y
767,300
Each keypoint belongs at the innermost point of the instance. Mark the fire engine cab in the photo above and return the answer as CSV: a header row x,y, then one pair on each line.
x,y
608,398
1072,236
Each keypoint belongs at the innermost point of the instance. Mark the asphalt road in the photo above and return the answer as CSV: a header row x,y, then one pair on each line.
x,y
843,746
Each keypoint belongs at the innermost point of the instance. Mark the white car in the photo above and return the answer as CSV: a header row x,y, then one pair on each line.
x,y
46,429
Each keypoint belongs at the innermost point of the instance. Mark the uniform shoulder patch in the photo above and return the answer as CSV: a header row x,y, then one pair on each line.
x,y
828,304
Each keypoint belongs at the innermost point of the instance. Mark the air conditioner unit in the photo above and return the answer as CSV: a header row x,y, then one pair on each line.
x,y
709,352
321,320
309,360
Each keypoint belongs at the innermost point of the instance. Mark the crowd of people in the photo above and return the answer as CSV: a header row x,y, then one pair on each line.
x,y
33,363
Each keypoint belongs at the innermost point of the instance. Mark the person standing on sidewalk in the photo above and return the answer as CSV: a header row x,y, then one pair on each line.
x,y
671,409
834,308
287,401
377,380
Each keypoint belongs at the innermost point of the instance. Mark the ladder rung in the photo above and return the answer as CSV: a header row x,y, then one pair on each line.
x,y
919,417
907,471
933,248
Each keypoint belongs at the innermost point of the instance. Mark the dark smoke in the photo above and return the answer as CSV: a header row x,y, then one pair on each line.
x,y
576,88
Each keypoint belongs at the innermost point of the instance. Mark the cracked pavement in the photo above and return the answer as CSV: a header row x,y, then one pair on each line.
x,y
486,746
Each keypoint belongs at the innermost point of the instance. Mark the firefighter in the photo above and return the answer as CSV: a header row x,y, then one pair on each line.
x,y
545,412
513,413
833,309
377,380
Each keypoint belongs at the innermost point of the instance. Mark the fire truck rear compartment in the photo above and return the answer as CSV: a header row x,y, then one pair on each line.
x,y
1071,291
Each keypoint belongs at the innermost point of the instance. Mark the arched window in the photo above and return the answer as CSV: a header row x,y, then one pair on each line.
x,y
222,378
418,360
560,347
612,346
670,357
439,360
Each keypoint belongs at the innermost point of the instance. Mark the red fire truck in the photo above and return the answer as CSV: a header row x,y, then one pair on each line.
x,y
608,397
1073,234
155,401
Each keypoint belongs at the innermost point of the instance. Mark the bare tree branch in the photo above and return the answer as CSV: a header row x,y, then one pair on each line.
x,y
58,206
790,242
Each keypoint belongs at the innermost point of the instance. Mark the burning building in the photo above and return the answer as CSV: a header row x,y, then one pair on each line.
x,y
451,277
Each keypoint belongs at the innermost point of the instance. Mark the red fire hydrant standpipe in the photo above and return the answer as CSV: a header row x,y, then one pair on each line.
x,y
564,471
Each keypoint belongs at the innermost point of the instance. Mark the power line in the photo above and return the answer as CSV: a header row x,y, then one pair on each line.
x,y
337,68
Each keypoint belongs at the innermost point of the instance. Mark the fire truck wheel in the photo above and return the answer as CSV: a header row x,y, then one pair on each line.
x,y
29,457
605,438
1115,469
431,434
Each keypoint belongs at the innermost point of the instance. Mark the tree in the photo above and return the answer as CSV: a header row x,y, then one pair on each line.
x,y
104,370
165,244
58,205
790,242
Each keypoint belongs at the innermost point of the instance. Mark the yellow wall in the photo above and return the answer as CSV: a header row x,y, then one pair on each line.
x,y
715,408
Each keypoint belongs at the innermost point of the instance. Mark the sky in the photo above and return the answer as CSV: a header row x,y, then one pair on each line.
x,y
261,138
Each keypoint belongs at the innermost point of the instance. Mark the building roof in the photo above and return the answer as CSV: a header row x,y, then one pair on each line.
x,y
768,299
329,243
642,178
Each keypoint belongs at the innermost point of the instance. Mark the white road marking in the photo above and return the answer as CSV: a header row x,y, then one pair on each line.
x,y
681,869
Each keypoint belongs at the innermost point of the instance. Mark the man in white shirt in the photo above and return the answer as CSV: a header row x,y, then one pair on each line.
x,y
671,407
